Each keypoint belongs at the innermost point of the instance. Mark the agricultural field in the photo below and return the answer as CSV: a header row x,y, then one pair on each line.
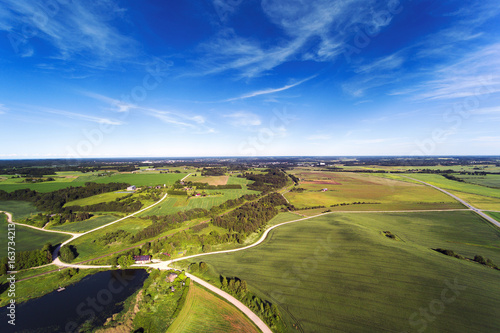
x,y
18,209
138,179
495,215
339,272
173,204
486,180
205,312
95,199
211,180
27,238
369,192
88,246
83,226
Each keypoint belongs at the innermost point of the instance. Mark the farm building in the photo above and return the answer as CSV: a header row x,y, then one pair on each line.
x,y
142,259
171,277
131,188
324,190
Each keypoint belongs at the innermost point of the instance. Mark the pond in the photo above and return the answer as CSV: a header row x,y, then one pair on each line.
x,y
96,297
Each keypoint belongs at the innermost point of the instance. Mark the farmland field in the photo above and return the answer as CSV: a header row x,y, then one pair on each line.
x,y
28,238
18,209
95,199
486,180
211,180
175,204
495,215
340,273
376,193
88,246
137,179
206,312
86,225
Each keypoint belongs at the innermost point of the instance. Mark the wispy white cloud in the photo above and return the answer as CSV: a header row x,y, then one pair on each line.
x,y
167,116
244,119
77,29
3,109
269,91
319,137
313,30
79,116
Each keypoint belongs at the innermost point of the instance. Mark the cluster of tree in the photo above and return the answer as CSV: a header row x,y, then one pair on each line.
x,y
251,216
68,253
389,234
163,223
128,205
449,253
273,179
215,171
452,177
295,179
297,189
355,203
114,236
38,180
485,261
28,259
477,258
54,201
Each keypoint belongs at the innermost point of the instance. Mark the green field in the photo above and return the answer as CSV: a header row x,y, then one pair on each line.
x,y
377,193
82,226
444,183
173,204
339,272
486,180
95,199
206,312
18,209
27,238
495,215
88,246
138,179
211,180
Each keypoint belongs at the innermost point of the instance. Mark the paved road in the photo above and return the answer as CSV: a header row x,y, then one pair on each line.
x,y
465,203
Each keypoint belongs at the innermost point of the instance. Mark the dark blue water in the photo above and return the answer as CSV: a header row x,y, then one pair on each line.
x,y
95,298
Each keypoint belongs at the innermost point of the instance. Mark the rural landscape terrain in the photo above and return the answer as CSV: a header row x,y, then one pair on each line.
x,y
256,245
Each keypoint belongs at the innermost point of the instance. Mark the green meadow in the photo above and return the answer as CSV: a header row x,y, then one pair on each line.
x,y
339,272
95,199
18,209
137,179
27,238
486,180
82,226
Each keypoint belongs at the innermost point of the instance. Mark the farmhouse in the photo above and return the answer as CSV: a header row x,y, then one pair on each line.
x,y
142,259
171,277
131,188
324,190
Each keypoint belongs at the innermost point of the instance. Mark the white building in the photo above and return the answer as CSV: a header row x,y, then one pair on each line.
x,y
131,188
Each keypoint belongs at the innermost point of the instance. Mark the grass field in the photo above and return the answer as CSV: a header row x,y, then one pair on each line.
x,y
211,180
340,273
444,183
95,199
138,179
378,193
18,209
27,238
82,226
205,312
89,247
487,180
173,204
495,215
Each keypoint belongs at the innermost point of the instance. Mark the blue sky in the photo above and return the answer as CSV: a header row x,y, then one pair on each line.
x,y
249,78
